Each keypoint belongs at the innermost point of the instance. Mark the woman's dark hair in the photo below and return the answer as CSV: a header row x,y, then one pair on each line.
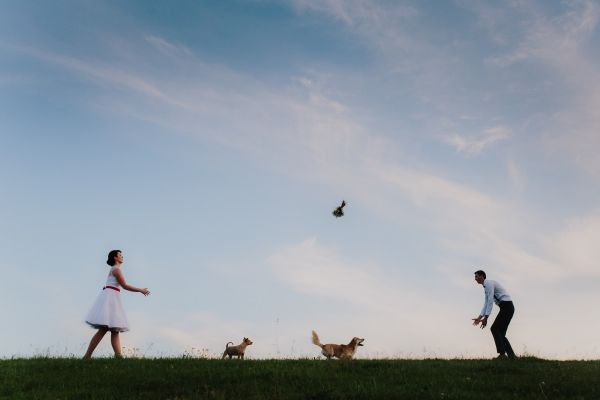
x,y
480,272
111,257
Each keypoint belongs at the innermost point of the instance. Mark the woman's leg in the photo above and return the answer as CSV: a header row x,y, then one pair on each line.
x,y
115,340
94,342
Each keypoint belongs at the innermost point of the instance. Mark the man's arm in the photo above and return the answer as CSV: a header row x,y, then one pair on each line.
x,y
489,300
487,306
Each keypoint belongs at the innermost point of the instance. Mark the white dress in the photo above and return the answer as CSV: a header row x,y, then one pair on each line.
x,y
107,311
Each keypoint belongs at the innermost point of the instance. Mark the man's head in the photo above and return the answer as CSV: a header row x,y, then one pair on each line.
x,y
480,276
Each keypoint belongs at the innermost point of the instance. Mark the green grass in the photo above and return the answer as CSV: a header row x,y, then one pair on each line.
x,y
184,378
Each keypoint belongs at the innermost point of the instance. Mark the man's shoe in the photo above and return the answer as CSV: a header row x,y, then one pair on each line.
x,y
501,357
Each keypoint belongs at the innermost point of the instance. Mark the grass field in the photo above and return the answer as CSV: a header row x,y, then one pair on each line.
x,y
185,378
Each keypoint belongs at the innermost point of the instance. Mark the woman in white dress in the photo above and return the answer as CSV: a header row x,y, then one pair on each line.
x,y
107,313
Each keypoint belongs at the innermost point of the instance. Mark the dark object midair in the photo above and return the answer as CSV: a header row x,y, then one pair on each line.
x,y
339,212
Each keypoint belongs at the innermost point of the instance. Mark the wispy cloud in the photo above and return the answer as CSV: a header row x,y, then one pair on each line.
x,y
359,13
382,25
307,133
371,298
102,74
562,44
556,39
516,175
313,270
306,127
166,47
376,299
431,74
575,247
475,145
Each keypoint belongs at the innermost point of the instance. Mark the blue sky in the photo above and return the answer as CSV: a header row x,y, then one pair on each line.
x,y
211,140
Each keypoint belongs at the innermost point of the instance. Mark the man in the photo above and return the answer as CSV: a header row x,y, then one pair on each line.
x,y
494,292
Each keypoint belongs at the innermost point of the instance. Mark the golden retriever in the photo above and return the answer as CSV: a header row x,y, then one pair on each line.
x,y
345,351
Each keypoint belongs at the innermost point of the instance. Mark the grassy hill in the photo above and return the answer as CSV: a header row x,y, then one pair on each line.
x,y
184,378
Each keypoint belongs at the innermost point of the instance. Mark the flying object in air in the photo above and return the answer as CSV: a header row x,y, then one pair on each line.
x,y
339,212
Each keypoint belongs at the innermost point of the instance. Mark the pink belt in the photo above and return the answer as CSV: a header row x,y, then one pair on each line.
x,y
111,287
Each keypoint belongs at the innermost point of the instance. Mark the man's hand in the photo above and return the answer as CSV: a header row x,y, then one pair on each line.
x,y
481,319
484,322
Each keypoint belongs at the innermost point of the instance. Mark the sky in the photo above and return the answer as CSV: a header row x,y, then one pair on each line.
x,y
210,141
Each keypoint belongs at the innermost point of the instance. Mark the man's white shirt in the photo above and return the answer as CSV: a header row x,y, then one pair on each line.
x,y
494,293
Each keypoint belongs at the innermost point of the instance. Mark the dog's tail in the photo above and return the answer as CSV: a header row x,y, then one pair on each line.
x,y
315,339
227,345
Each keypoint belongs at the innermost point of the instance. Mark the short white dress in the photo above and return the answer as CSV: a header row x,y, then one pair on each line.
x,y
107,311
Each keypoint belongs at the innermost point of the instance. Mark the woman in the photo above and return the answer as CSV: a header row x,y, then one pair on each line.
x,y
107,313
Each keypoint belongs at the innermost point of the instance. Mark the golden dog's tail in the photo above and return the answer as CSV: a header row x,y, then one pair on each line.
x,y
227,345
315,339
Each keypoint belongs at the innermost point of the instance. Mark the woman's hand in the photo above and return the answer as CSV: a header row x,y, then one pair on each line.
x,y
145,291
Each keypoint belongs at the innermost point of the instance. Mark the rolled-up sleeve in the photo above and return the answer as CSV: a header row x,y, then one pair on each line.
x,y
489,299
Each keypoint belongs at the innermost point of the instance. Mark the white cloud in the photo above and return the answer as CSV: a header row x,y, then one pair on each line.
x,y
493,19
373,300
383,27
563,45
202,330
307,133
521,31
516,175
558,39
402,318
104,74
315,271
475,145
576,247
310,135
166,47
359,13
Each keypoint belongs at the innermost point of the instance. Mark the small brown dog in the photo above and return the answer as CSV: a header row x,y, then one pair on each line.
x,y
345,351
238,350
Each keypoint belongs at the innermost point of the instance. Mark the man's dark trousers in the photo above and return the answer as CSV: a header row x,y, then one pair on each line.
x,y
499,327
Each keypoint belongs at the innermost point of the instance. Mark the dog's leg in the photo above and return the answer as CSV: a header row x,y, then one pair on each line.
x,y
224,355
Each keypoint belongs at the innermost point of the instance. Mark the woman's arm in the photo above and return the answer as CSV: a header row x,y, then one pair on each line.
x,y
121,279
